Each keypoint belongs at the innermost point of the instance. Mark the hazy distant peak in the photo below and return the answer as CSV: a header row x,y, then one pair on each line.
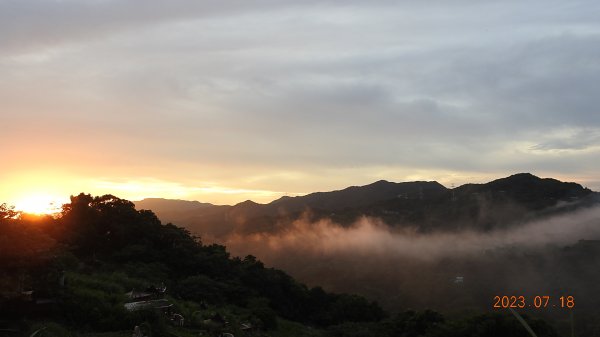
x,y
170,204
524,175
520,177
529,189
527,178
381,182
247,203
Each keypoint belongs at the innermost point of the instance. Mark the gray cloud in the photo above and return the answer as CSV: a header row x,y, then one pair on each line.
x,y
446,86
579,140
26,25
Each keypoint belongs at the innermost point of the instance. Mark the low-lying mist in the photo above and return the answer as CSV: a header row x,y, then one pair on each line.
x,y
402,267
371,237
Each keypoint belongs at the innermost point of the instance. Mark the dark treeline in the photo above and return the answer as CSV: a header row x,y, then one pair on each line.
x,y
78,265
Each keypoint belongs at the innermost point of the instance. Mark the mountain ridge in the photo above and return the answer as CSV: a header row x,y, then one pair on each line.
x,y
426,205
146,201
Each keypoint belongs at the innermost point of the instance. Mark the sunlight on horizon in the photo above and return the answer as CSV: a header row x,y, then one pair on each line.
x,y
39,204
138,189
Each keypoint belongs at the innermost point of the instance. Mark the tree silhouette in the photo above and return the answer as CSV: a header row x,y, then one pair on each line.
x,y
7,212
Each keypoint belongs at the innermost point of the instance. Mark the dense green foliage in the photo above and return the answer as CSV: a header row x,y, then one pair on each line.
x,y
104,247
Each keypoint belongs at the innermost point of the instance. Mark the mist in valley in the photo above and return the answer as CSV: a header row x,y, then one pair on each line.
x,y
403,268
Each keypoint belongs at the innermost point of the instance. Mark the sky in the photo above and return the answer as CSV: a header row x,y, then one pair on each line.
x,y
223,101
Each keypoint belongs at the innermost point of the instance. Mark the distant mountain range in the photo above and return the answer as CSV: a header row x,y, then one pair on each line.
x,y
459,258
424,205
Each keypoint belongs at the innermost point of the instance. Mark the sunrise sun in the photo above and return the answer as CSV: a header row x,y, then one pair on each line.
x,y
38,204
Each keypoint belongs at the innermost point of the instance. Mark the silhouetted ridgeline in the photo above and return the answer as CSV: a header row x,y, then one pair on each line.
x,y
425,206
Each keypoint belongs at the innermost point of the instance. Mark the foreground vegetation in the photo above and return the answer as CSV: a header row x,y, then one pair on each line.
x,y
68,276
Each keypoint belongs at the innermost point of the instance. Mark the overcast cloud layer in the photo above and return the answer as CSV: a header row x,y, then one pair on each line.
x,y
253,99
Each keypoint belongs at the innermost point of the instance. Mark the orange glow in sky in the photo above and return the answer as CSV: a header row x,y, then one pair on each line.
x,y
39,204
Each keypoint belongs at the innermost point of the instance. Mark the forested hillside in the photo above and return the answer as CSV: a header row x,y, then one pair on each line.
x,y
103,266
